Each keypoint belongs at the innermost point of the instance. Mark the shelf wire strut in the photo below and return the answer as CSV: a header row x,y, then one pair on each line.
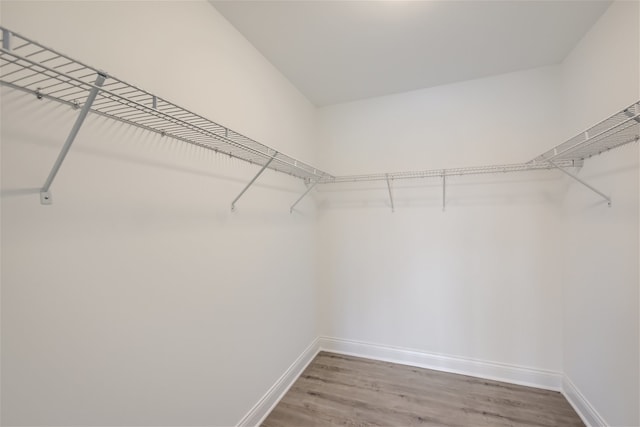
x,y
45,193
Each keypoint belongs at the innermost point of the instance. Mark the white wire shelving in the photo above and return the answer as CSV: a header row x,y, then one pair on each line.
x,y
615,131
620,129
29,66
439,173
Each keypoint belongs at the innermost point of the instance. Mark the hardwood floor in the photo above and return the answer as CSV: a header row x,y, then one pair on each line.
x,y
351,391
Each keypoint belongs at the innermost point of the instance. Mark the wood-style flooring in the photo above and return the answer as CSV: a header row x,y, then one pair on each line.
x,y
352,391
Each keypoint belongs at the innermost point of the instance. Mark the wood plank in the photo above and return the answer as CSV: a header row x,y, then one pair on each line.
x,y
339,390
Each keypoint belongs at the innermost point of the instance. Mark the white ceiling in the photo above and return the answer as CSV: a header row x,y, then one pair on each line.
x,y
340,51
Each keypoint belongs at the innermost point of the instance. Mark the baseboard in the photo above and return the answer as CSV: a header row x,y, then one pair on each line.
x,y
548,380
581,405
514,374
260,410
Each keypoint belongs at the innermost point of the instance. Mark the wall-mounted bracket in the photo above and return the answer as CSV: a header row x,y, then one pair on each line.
x,y
393,209
6,39
303,195
233,204
45,198
566,172
45,194
444,189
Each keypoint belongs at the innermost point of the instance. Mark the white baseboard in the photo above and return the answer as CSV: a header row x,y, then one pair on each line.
x,y
581,405
260,410
514,374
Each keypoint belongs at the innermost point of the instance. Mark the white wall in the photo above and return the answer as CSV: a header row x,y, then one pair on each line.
x,y
137,298
529,270
477,281
600,277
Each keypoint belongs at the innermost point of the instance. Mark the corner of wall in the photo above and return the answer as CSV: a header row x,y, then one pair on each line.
x,y
265,405
580,404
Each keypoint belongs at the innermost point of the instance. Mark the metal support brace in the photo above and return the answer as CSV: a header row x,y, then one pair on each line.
x,y
566,172
45,194
444,189
233,204
631,115
6,39
302,197
393,209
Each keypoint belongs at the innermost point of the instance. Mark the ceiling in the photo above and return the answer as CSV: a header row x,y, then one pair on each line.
x,y
341,51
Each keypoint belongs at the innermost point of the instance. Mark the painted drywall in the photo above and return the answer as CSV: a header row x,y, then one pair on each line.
x,y
600,274
479,280
138,298
529,270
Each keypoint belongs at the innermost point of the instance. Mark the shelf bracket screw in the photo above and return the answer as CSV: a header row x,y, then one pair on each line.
x,y
45,198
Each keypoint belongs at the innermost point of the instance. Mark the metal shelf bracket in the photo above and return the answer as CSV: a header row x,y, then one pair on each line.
x,y
444,189
45,193
303,195
393,209
266,165
6,39
566,172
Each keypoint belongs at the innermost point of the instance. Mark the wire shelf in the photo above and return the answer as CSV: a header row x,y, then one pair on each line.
x,y
31,67
439,173
620,129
